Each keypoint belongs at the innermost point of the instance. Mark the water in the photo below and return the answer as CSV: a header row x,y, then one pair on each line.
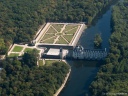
x,y
101,27
83,72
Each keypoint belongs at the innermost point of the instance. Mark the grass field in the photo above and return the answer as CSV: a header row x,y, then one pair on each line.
x,y
17,49
13,55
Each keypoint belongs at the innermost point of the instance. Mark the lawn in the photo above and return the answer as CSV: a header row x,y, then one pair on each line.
x,y
51,40
68,37
58,26
50,62
72,31
46,36
68,33
47,62
40,62
30,49
69,27
17,49
13,55
51,30
61,41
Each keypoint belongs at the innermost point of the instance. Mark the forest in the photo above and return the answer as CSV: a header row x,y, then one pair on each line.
x,y
20,19
25,78
113,76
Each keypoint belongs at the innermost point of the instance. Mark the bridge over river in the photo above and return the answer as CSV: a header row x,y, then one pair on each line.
x,y
75,53
92,54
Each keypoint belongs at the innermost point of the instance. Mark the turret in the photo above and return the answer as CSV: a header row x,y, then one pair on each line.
x,y
105,49
61,53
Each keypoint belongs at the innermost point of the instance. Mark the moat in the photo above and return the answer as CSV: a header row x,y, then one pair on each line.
x,y
83,72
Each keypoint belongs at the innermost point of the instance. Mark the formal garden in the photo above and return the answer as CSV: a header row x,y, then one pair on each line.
x,y
19,50
60,33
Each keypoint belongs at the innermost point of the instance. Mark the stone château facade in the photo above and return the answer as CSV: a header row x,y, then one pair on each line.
x,y
80,53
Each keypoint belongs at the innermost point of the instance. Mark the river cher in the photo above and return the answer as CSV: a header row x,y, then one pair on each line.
x,y
83,72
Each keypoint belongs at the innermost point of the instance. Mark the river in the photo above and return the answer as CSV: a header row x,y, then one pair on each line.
x,y
83,72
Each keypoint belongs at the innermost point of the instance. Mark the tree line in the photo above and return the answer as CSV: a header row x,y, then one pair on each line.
x,y
19,20
25,78
113,76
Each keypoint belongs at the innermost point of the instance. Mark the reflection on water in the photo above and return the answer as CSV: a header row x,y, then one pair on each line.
x,y
84,63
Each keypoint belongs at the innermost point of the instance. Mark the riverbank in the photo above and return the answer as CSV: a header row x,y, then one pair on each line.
x,y
64,83
66,77
115,70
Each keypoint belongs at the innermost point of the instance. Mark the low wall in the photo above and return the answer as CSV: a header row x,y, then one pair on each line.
x,y
39,31
42,32
78,34
55,46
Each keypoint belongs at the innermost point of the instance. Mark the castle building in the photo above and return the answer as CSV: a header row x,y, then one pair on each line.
x,y
80,53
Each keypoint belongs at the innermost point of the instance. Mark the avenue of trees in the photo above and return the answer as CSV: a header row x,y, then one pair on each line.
x,y
113,76
19,78
20,19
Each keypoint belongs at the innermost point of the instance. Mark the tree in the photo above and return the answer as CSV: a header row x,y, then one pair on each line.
x,y
30,58
2,46
97,40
